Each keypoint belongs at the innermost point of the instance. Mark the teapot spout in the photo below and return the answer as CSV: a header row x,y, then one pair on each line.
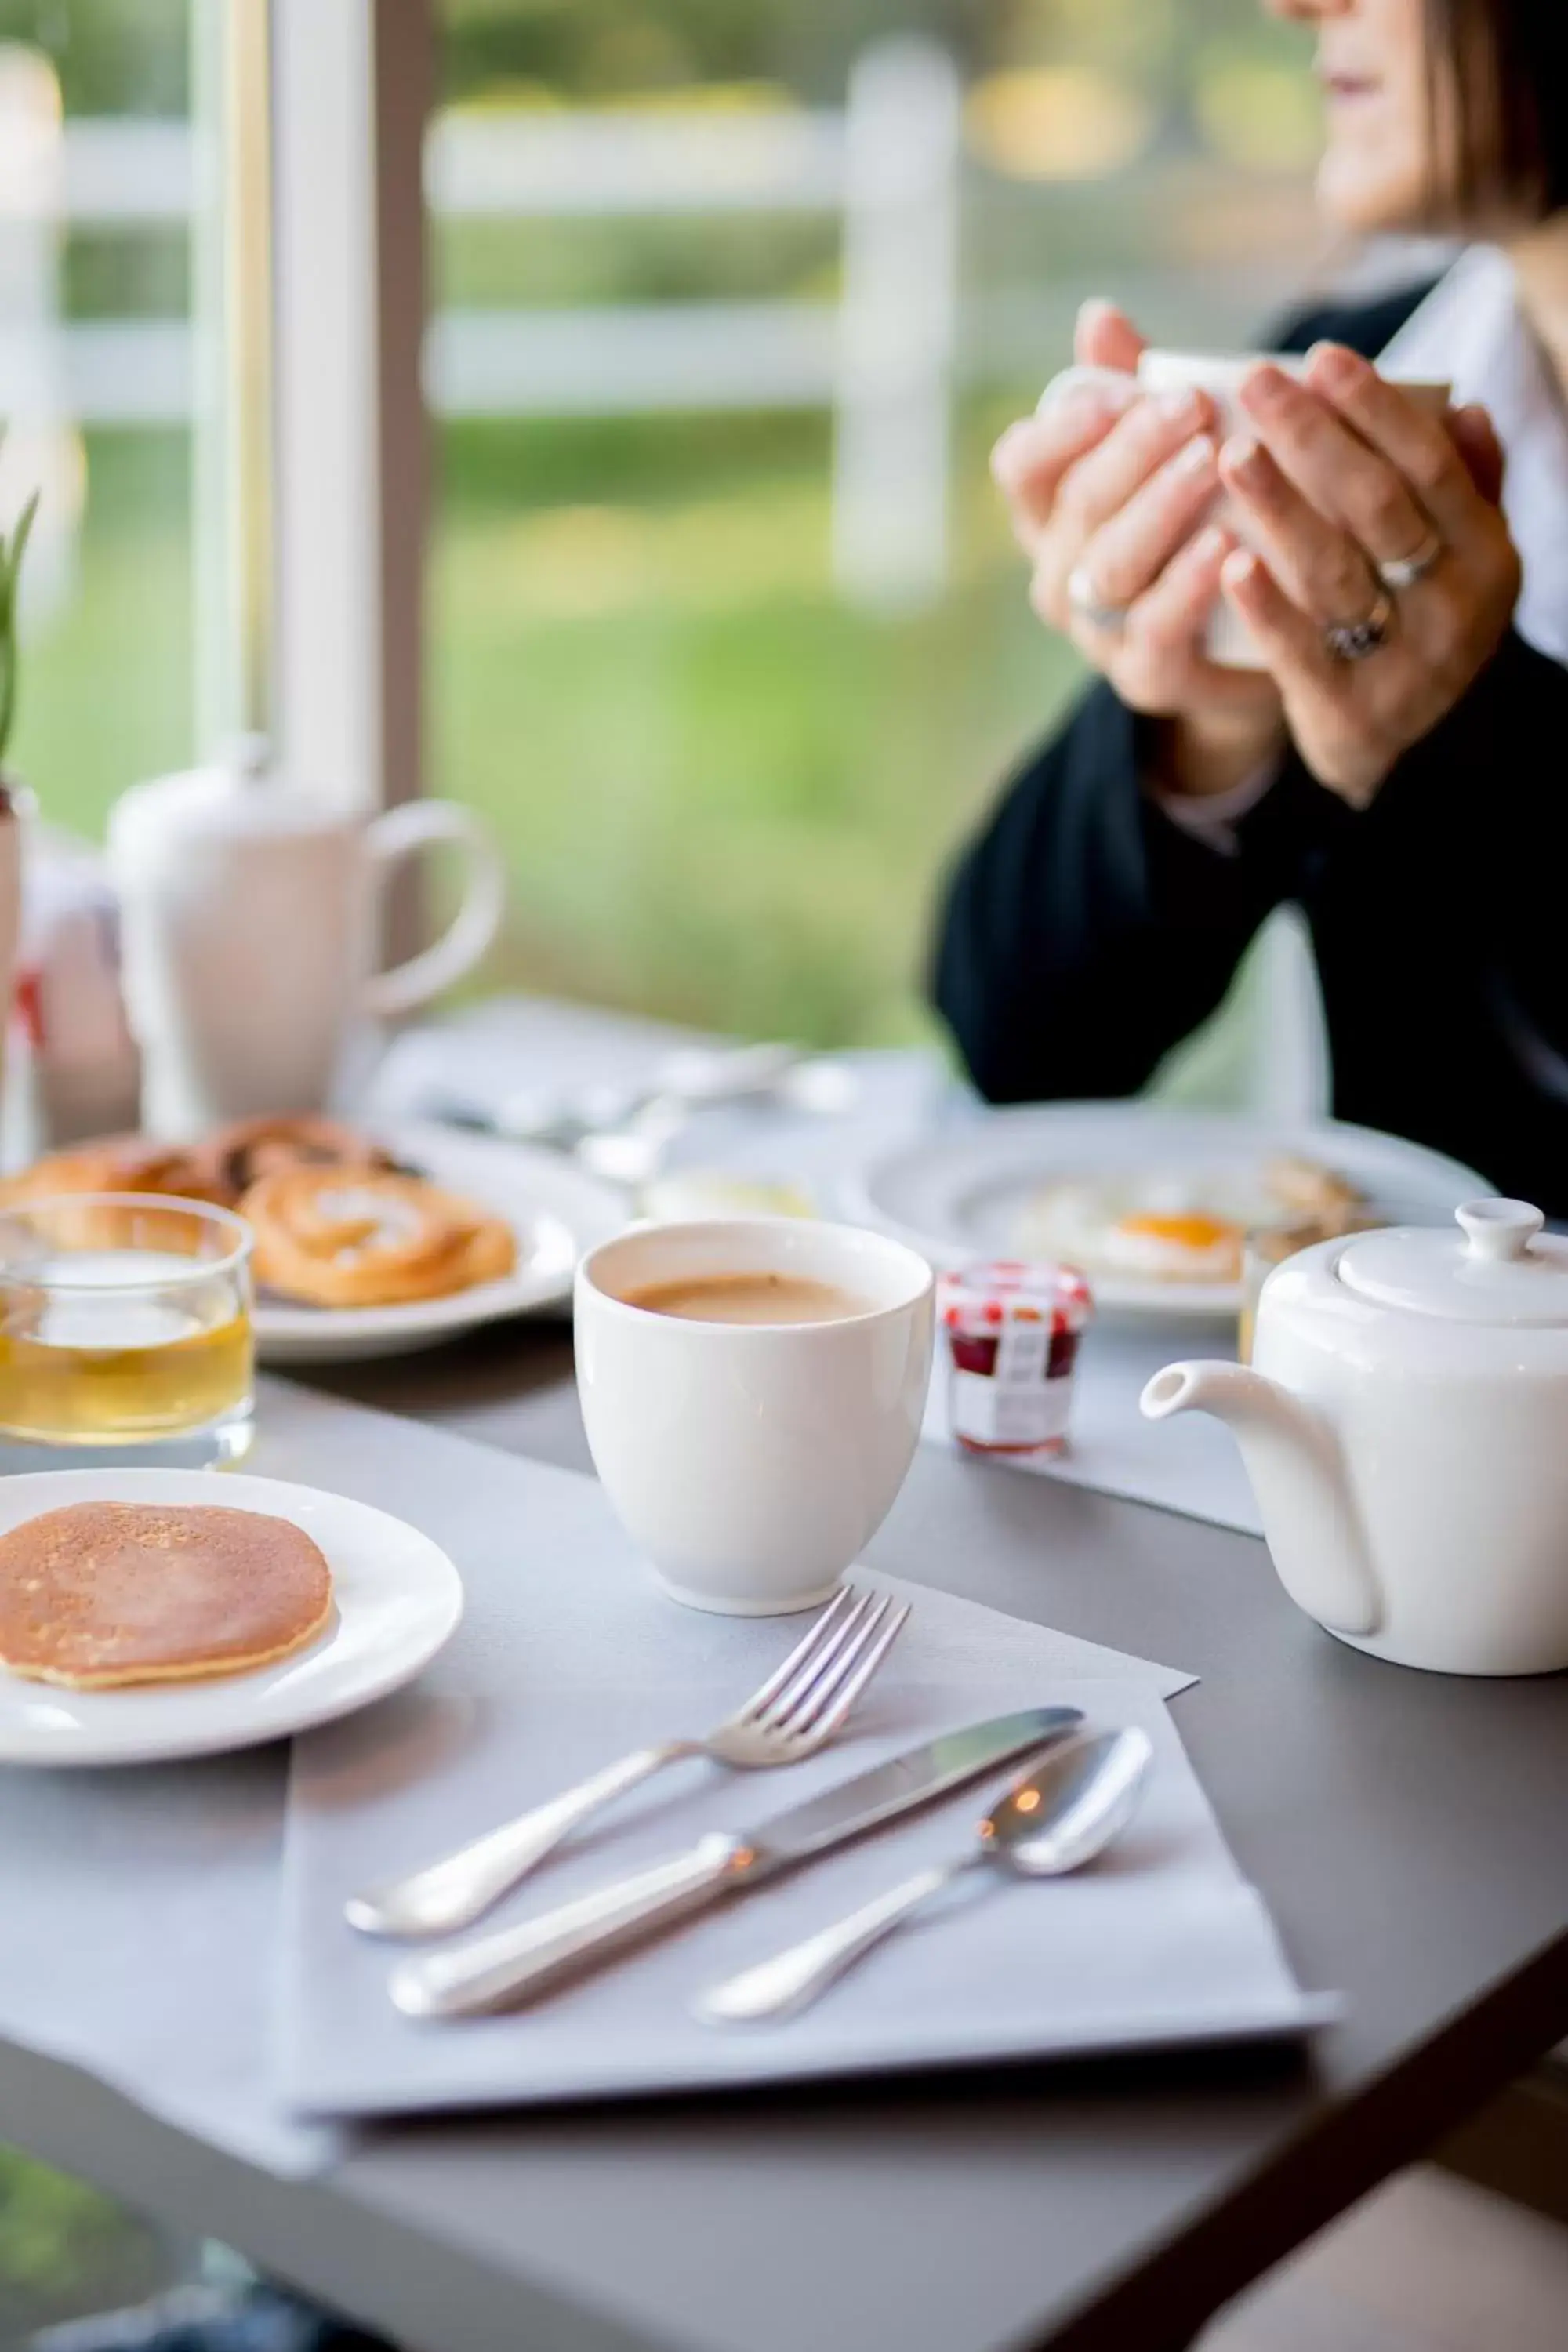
x,y
1297,1471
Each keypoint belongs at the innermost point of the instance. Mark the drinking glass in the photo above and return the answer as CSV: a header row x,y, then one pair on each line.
x,y
125,1332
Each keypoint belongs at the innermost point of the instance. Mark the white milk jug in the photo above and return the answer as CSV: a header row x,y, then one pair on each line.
x,y
248,912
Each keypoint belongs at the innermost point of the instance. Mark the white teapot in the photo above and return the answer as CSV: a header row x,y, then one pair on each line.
x,y
248,910
1405,1425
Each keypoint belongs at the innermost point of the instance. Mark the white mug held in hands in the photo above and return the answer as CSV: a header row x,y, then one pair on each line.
x,y
248,908
751,1459
1220,375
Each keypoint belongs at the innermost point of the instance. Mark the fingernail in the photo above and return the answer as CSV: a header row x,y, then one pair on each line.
x,y
1210,544
1004,456
1242,567
1196,457
1087,400
1240,454
1177,405
1334,364
1267,386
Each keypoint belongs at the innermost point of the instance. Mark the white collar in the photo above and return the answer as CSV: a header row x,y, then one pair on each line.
x,y
1470,331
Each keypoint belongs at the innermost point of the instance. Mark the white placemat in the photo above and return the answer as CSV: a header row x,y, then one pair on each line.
x,y
140,1915
1162,1943
139,1906
1192,1464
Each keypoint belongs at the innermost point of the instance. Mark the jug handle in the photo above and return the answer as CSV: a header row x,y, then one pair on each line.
x,y
399,833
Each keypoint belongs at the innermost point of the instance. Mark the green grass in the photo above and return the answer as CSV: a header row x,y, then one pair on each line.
x,y
65,2249
723,795
106,682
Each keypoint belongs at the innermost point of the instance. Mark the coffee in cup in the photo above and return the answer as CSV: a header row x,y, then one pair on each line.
x,y
753,1390
749,1298
1220,376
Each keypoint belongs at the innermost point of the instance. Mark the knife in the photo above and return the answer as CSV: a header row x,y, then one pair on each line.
x,y
513,1965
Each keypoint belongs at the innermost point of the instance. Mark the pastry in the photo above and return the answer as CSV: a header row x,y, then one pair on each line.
x,y
101,1594
234,1159
368,1237
1309,1191
113,1163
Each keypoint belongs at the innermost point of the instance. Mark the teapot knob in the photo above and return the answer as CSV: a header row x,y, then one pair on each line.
x,y
250,756
1500,1229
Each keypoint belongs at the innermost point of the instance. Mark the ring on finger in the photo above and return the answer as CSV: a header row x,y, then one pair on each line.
x,y
1409,571
1090,605
1355,641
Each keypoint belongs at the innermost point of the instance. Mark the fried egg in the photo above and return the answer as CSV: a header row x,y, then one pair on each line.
x,y
1148,1228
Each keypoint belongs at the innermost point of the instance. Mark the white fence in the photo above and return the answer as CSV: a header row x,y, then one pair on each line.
x,y
880,358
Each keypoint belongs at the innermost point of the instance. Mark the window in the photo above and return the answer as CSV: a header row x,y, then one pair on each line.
x,y
95,386
725,635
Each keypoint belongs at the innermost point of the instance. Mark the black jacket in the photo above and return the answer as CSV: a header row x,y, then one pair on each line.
x,y
1085,934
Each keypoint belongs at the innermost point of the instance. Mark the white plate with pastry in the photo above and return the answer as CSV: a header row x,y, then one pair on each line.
x,y
149,1614
1152,1204
368,1243
552,1211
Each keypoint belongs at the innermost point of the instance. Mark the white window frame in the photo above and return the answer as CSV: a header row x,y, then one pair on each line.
x,y
313,470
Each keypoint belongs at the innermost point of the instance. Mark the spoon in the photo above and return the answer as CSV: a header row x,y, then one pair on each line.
x,y
1058,1817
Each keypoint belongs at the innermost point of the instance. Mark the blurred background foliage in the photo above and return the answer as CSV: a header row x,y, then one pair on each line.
x,y
723,790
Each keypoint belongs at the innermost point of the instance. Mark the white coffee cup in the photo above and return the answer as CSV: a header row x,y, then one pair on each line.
x,y
1220,375
750,1461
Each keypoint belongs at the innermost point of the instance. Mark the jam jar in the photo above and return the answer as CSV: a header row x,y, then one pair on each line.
x,y
1011,1330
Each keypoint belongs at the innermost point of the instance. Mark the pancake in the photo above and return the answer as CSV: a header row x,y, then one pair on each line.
x,y
101,1594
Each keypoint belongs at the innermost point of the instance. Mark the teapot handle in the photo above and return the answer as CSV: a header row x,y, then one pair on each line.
x,y
398,833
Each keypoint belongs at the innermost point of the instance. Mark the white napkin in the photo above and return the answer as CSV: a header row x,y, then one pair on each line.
x,y
1191,1464
1163,1942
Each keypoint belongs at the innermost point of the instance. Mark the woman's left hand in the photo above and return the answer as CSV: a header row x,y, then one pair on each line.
x,y
1340,475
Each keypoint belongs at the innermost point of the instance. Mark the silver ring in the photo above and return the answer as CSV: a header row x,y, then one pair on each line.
x,y
1085,600
1353,641
1409,571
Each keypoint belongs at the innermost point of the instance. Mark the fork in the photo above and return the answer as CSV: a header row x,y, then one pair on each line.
x,y
797,1711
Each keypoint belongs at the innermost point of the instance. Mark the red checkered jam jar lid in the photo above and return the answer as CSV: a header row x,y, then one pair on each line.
x,y
975,1300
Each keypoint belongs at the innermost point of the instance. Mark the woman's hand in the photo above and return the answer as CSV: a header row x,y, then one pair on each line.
x,y
1109,494
1346,473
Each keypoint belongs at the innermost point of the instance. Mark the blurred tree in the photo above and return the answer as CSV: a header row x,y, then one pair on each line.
x,y
602,48
113,57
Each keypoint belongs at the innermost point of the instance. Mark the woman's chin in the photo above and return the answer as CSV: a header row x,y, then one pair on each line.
x,y
1365,194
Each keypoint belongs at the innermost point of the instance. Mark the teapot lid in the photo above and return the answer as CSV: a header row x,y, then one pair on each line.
x,y
240,795
1499,1268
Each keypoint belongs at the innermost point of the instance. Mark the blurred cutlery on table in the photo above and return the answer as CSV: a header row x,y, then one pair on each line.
x,y
622,1131
1058,1817
800,1708
515,1965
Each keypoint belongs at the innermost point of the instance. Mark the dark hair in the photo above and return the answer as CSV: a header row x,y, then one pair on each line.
x,y
1509,65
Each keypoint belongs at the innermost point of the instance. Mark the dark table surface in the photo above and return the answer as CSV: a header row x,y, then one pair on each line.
x,y
1407,1831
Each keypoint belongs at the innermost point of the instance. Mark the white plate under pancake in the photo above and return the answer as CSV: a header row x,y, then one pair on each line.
x,y
397,1599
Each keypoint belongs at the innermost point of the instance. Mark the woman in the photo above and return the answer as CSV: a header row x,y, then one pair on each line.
x,y
1400,770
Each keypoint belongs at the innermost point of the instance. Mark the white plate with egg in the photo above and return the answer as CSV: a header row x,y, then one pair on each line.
x,y
555,1209
1152,1204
